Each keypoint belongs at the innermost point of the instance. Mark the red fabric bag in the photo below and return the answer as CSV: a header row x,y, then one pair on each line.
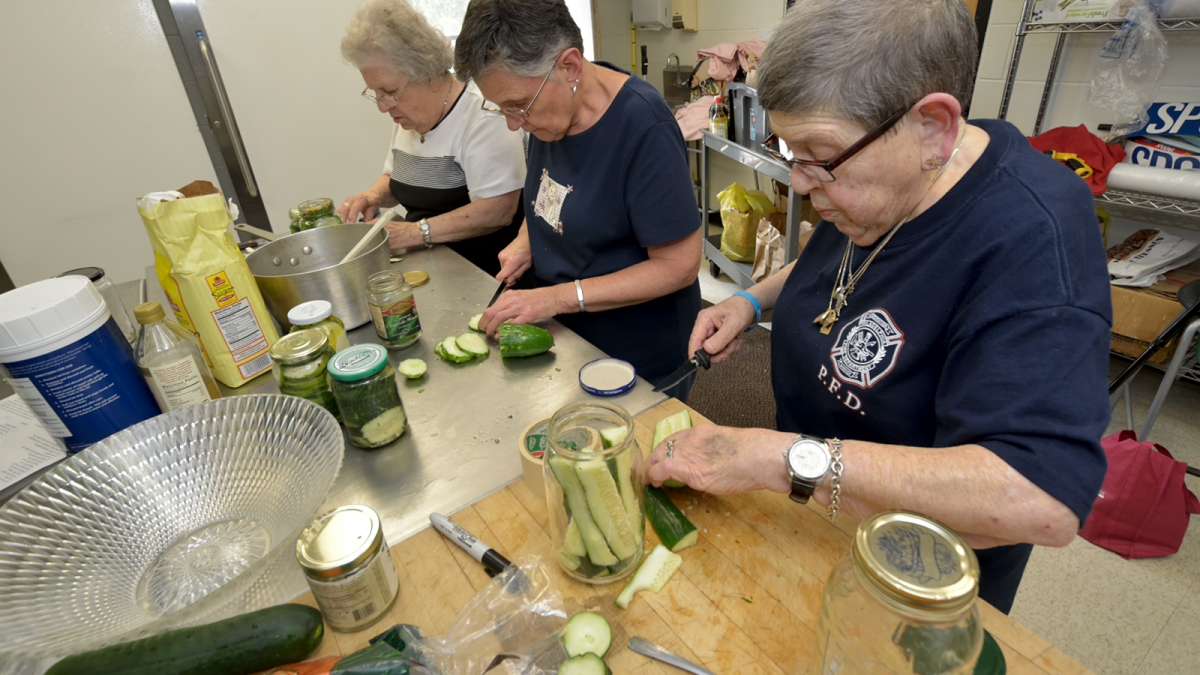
x,y
1144,506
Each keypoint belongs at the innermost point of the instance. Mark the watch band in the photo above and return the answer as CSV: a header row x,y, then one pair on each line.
x,y
802,489
426,233
836,468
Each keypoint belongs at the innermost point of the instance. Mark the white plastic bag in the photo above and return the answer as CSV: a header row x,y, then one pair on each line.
x,y
1128,68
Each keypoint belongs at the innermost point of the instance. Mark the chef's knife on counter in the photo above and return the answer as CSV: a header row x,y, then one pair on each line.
x,y
647,648
701,359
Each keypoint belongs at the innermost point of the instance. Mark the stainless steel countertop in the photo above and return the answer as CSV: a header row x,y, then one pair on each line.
x,y
464,421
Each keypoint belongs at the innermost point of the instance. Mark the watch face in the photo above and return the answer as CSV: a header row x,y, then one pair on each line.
x,y
808,459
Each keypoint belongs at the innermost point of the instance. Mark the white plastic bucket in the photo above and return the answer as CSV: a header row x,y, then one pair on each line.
x,y
67,359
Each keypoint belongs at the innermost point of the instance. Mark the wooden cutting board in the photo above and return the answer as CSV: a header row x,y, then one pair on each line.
x,y
746,600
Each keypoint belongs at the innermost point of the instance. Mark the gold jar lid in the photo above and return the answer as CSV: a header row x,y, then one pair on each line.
x,y
339,542
314,208
416,278
917,562
300,346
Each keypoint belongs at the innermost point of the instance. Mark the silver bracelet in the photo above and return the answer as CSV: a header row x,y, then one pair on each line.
x,y
835,481
426,232
579,295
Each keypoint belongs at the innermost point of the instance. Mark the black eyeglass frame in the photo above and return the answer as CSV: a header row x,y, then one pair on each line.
x,y
770,148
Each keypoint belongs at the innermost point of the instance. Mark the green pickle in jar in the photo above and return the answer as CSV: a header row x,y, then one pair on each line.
x,y
319,314
313,213
393,309
364,384
299,361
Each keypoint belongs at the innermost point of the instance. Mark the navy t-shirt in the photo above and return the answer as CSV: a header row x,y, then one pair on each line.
x,y
596,201
985,321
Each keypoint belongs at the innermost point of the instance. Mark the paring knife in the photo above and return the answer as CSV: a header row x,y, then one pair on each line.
x,y
496,295
647,648
701,359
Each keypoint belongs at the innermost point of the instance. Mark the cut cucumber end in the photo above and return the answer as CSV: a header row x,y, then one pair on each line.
x,y
587,664
413,369
653,575
587,633
473,324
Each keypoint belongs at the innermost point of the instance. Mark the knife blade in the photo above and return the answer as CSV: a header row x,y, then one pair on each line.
x,y
496,295
701,359
647,648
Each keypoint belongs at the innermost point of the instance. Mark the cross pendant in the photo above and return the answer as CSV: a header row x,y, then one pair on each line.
x,y
827,319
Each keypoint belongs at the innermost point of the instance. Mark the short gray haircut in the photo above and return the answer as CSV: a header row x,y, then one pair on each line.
x,y
864,60
393,32
523,37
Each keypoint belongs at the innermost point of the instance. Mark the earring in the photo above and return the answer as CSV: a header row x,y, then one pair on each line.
x,y
574,87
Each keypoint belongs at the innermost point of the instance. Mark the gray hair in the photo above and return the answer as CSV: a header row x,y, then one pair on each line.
x,y
864,60
523,37
395,33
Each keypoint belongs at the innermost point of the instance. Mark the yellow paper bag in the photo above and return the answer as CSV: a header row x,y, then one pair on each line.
x,y
741,209
208,282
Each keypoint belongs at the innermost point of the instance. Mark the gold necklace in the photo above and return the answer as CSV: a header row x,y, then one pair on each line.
x,y
846,280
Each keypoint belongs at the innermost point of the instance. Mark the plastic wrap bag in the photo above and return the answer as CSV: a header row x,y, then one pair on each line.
x,y
1128,68
741,209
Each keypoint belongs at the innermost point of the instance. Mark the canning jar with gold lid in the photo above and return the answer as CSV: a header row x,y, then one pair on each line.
x,y
903,601
348,565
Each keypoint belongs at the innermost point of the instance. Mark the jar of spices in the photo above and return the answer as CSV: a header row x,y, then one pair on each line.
x,y
364,384
903,601
393,309
299,361
591,467
319,314
348,567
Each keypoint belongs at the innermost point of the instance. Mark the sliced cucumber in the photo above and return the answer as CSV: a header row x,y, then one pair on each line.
x,y
303,371
473,324
472,343
413,369
587,633
588,664
652,575
669,523
573,541
597,550
453,353
613,436
607,509
622,465
386,427
672,424
571,562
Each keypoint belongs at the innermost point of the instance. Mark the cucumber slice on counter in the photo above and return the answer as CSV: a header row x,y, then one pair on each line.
x,y
452,353
413,369
588,664
597,550
587,633
671,424
672,527
473,344
652,575
573,541
606,506
473,324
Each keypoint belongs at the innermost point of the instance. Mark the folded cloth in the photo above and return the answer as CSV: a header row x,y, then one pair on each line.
x,y
1096,153
722,64
693,118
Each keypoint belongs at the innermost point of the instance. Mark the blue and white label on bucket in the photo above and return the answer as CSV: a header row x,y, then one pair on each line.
x,y
86,391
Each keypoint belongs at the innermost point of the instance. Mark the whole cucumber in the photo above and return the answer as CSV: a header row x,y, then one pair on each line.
x,y
242,644
519,340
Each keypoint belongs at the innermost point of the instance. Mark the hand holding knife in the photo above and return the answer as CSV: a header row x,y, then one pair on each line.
x,y
701,359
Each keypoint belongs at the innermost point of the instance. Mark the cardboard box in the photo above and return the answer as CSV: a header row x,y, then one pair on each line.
x,y
1139,316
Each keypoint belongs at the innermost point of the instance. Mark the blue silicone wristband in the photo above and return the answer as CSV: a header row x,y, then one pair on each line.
x,y
758,310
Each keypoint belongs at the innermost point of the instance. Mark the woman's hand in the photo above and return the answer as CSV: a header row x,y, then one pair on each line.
x,y
515,259
363,205
531,306
719,328
722,460
403,235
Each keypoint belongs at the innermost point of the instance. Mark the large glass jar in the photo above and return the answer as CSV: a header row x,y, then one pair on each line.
x,y
319,314
592,473
902,601
364,383
298,361
393,309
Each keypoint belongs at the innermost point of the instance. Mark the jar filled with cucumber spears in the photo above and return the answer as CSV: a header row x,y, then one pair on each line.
x,y
903,601
364,384
592,470
313,213
299,360
319,314
393,309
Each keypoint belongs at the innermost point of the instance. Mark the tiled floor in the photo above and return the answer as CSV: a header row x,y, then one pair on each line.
x,y
1116,616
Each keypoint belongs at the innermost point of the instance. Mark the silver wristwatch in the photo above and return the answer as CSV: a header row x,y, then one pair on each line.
x,y
808,462
426,234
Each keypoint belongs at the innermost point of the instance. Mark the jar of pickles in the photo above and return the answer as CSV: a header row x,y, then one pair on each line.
x,y
313,213
393,309
319,314
299,361
594,491
903,601
364,384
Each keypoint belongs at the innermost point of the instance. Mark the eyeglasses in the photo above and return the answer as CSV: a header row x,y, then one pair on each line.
x,y
822,170
520,113
384,98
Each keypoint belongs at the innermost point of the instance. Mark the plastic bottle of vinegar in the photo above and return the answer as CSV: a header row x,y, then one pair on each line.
x,y
170,360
